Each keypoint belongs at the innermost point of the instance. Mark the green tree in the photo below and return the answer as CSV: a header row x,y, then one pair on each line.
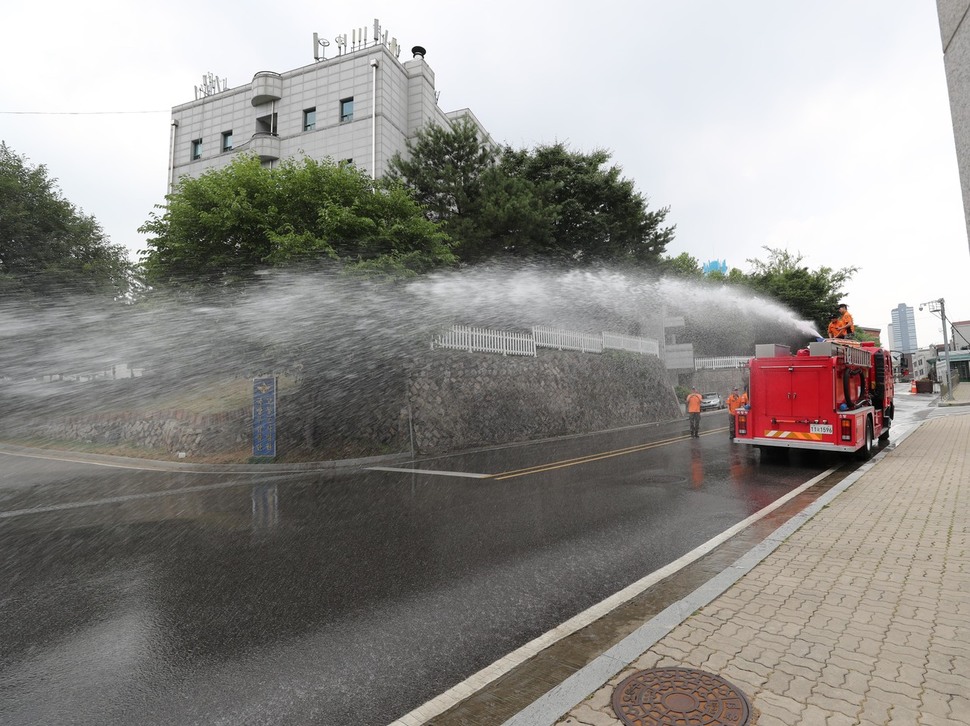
x,y
597,215
683,265
443,168
228,223
813,295
864,336
451,171
548,202
47,246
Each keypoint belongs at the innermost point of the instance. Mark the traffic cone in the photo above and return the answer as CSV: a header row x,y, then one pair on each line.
x,y
912,388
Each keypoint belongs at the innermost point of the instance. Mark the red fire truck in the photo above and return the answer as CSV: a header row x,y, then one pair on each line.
x,y
834,395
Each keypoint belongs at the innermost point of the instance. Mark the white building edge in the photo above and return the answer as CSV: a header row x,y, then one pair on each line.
x,y
360,107
955,38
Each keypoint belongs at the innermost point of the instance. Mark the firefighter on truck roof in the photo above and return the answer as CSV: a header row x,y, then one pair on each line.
x,y
842,326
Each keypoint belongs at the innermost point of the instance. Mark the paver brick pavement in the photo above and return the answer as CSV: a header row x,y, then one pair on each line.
x,y
869,620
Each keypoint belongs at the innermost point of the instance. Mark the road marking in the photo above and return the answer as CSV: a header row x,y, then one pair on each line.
x,y
70,460
539,468
499,668
433,472
117,500
594,457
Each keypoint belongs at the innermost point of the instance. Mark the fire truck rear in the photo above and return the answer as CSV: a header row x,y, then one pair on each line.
x,y
831,396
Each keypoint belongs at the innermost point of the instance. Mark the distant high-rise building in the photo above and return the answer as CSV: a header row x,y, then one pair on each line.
x,y
904,328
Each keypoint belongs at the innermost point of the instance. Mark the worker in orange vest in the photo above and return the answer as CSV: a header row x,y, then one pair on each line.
x,y
733,403
694,412
843,326
833,329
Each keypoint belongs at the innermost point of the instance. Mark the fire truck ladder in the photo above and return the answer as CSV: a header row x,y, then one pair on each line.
x,y
853,355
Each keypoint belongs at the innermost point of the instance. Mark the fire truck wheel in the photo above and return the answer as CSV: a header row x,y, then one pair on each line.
x,y
770,454
867,448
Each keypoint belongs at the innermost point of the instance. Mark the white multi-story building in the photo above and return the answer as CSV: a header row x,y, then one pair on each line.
x,y
904,328
920,361
359,107
960,335
955,37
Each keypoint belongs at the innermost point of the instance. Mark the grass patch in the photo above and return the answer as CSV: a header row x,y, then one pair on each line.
x,y
210,397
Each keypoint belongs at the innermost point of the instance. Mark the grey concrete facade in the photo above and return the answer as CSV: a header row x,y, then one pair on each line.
x,y
955,36
305,113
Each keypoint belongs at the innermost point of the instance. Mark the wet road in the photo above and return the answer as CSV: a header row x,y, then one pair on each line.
x,y
156,597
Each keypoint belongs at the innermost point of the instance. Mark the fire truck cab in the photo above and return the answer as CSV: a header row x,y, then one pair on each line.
x,y
834,395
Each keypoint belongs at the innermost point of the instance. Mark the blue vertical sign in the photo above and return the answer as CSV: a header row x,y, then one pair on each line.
x,y
264,416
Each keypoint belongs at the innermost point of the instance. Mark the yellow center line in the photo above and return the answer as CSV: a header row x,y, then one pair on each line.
x,y
552,466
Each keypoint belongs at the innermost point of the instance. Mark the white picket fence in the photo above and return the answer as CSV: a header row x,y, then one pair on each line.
x,y
507,342
727,361
645,346
486,340
567,339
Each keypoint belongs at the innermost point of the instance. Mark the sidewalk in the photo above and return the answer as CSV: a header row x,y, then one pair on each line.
x,y
860,614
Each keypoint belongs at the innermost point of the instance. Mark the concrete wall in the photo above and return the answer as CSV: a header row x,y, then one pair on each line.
x,y
444,401
461,401
164,431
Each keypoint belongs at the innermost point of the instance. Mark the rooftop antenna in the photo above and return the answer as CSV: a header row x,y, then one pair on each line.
x,y
319,43
211,85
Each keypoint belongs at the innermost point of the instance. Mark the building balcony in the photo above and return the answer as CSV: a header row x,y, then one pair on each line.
x,y
267,86
266,146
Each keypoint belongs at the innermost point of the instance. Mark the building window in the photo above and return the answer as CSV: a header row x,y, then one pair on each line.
x,y
310,119
196,149
227,140
266,124
346,109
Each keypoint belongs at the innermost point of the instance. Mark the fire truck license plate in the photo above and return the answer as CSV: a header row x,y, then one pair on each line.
x,y
820,428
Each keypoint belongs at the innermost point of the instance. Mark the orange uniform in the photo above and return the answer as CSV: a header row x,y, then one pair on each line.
x,y
693,402
733,403
694,412
842,326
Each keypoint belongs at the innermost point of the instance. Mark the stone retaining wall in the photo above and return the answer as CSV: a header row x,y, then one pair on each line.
x,y
722,380
462,400
169,431
444,401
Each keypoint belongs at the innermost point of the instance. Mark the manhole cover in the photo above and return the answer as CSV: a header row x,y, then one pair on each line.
x,y
666,696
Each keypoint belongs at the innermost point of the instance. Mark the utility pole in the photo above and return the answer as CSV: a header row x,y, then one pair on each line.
x,y
939,306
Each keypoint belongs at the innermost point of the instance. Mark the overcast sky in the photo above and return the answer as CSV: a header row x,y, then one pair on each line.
x,y
823,127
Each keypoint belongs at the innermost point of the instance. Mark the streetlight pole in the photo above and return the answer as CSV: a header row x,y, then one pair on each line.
x,y
939,306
